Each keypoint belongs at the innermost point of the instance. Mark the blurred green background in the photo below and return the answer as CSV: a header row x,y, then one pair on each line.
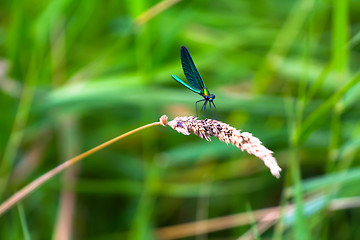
x,y
74,74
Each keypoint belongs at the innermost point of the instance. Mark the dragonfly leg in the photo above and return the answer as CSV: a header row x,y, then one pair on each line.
x,y
212,112
215,109
202,108
206,113
196,106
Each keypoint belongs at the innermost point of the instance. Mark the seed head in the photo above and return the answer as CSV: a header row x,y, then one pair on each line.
x,y
225,133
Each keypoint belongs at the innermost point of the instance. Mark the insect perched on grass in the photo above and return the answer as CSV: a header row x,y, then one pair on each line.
x,y
196,83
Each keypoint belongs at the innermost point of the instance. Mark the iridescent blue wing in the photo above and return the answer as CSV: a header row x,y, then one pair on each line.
x,y
185,84
190,71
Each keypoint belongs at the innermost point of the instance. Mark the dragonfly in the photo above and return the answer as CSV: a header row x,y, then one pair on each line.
x,y
196,83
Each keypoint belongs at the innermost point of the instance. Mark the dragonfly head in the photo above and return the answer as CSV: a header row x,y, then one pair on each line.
x,y
209,97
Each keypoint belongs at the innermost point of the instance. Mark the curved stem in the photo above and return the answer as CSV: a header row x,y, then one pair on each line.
x,y
42,179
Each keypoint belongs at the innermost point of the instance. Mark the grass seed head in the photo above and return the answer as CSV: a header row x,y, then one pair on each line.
x,y
225,133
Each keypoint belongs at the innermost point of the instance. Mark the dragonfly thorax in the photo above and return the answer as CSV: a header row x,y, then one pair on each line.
x,y
207,95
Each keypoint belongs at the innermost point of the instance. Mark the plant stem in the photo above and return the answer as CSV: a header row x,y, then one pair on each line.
x,y
42,179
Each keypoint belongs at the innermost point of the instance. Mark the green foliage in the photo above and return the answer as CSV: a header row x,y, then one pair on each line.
x,y
74,74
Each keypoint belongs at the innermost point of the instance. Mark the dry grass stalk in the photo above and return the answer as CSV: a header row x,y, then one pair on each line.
x,y
19,195
185,125
225,133
266,217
